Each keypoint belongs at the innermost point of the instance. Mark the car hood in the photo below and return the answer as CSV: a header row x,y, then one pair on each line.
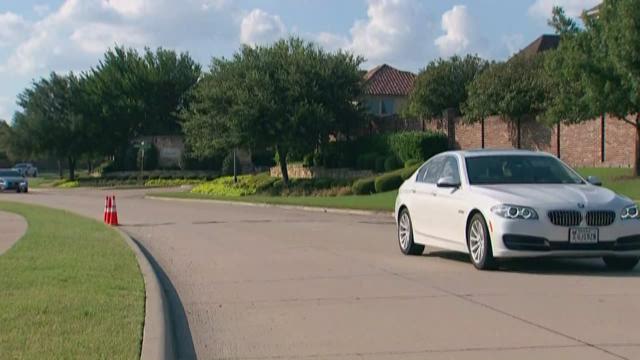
x,y
12,178
551,195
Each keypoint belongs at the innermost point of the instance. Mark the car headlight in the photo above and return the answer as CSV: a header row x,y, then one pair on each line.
x,y
630,212
514,212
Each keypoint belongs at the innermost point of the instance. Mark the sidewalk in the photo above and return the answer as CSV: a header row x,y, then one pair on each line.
x,y
12,227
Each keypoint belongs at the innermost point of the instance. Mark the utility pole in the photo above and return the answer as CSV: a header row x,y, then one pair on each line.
x,y
235,171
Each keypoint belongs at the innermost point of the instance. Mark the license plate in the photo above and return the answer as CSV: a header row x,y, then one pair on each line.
x,y
583,235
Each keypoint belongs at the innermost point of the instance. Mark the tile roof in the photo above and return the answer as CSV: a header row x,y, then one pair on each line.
x,y
386,80
541,44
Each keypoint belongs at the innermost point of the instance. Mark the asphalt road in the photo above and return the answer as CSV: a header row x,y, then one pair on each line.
x,y
267,283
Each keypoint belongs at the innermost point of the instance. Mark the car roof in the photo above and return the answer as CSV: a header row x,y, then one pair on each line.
x,y
497,152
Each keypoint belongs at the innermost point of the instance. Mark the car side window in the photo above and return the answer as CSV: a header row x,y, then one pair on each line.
x,y
423,170
450,168
434,171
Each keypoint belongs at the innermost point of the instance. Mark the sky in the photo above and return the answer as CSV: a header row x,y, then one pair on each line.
x,y
41,36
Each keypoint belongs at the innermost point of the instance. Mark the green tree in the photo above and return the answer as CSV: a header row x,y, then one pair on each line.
x,y
616,31
50,123
594,70
443,85
513,90
133,95
289,96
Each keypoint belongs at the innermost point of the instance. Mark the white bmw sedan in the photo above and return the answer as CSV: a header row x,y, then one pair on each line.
x,y
496,204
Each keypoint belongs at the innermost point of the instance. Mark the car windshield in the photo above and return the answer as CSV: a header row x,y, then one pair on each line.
x,y
519,169
9,173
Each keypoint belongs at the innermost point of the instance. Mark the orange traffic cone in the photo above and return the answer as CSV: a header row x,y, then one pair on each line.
x,y
107,206
114,212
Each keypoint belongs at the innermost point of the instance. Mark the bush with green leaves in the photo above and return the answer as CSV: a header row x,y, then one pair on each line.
x,y
364,186
392,163
379,164
412,163
246,185
417,145
408,171
366,161
388,182
170,182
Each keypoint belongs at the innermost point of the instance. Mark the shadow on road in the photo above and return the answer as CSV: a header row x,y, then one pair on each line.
x,y
545,266
180,324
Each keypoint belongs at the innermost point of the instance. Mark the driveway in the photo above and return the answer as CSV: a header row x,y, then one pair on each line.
x,y
254,282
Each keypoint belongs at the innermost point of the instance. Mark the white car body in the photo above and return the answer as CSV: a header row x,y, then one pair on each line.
x,y
440,215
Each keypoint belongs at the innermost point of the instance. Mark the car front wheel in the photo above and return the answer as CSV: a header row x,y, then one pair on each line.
x,y
405,235
621,263
479,244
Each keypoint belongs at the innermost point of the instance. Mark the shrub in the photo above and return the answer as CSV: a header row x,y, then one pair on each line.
x,y
307,161
227,165
364,186
366,161
412,163
157,182
388,182
408,171
417,145
379,164
392,163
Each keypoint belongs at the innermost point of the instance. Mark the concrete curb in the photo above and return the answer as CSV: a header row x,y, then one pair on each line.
x,y
157,339
286,207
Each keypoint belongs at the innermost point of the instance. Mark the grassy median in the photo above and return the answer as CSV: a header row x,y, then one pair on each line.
x,y
69,289
378,202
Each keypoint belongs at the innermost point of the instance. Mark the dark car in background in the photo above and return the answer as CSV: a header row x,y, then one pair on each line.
x,y
12,180
26,169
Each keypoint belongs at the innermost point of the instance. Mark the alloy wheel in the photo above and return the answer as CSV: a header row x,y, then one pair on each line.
x,y
404,230
477,241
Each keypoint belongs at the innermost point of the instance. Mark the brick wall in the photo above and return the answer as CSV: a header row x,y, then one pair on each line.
x,y
580,144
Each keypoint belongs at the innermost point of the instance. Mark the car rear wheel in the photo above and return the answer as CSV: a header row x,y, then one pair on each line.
x,y
479,244
621,263
405,235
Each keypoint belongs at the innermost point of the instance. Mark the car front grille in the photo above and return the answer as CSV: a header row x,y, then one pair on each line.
x,y
565,217
574,217
600,217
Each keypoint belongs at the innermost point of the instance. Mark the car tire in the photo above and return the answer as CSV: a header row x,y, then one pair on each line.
x,y
405,235
621,263
479,244
18,190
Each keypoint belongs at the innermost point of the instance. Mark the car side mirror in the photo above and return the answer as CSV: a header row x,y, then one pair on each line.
x,y
448,182
594,180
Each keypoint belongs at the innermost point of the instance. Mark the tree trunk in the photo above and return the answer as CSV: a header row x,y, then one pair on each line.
x,y
282,156
72,168
636,163
60,173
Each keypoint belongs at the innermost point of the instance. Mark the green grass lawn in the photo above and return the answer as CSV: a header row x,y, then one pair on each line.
x,y
43,180
620,180
69,289
381,202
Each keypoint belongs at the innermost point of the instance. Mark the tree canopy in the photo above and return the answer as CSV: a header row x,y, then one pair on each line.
x,y
290,96
596,69
443,85
512,89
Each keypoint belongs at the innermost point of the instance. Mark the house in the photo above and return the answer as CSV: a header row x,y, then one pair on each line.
x,y
386,90
539,45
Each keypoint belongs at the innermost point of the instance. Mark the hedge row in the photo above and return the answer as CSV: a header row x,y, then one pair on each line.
x,y
385,182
